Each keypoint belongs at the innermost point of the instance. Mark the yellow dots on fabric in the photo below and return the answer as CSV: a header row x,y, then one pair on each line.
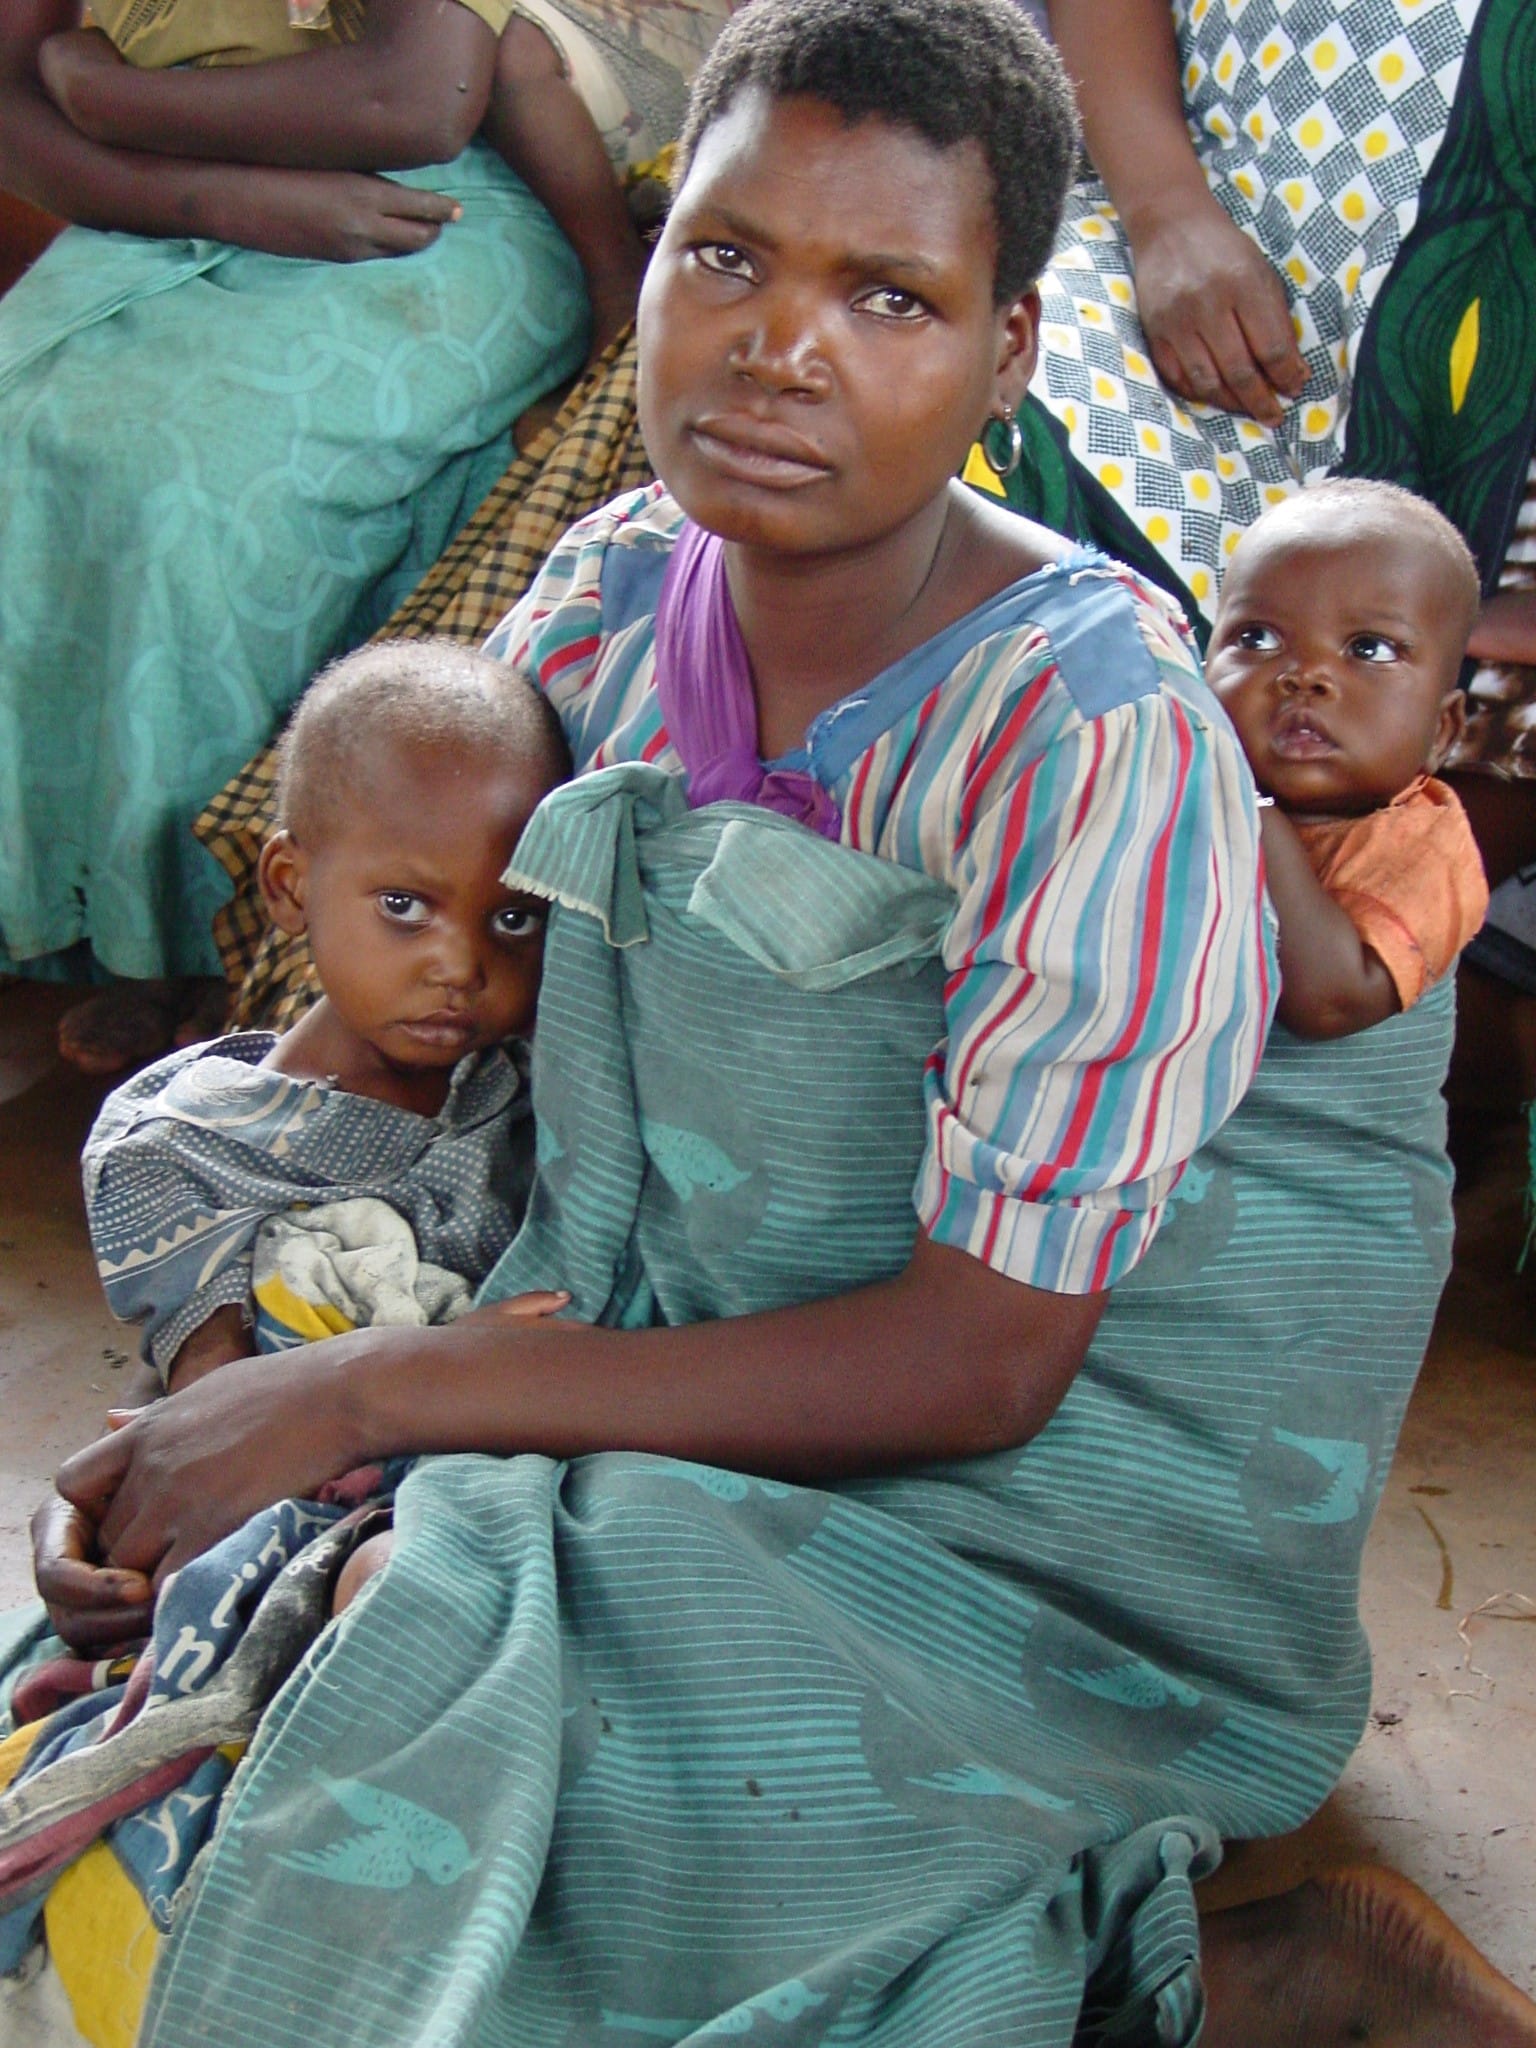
x,y
1120,291
1294,194
1225,466
1149,440
1111,475
1158,530
1353,207
1090,313
1094,228
1377,143
1310,134
1220,127
1325,56
1137,363
1269,56
1069,418
1392,68
1296,270
1104,387
1256,127
1275,494
1200,585
1352,279
1229,543
1317,419
1192,77
1200,487
1249,430
1225,67
1245,185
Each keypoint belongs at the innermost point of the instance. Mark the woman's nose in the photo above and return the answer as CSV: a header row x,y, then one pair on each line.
x,y
783,350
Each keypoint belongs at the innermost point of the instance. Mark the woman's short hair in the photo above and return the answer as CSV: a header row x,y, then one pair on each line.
x,y
951,70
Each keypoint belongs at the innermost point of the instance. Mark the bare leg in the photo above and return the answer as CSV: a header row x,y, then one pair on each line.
x,y
1360,1955
542,127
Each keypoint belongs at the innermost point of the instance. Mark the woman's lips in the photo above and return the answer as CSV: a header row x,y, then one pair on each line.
x,y
753,452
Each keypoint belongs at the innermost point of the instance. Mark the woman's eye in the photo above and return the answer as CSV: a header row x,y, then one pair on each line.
x,y
1374,647
401,907
1258,639
890,302
517,923
724,259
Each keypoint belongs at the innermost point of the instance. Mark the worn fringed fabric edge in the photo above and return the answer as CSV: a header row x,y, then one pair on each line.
x,y
590,452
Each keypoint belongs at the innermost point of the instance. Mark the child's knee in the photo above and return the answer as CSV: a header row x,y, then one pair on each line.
x,y
365,1563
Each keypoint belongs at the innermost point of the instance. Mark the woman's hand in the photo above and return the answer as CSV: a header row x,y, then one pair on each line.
x,y
95,1608
67,64
332,216
1214,311
180,1475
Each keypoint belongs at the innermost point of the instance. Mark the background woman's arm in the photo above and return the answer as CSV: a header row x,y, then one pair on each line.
x,y
1214,310
411,91
947,1360
44,159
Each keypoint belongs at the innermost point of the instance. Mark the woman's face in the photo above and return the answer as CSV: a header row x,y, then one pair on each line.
x,y
818,339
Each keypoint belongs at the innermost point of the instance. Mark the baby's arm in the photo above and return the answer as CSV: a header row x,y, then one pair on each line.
x,y
412,90
45,159
1331,982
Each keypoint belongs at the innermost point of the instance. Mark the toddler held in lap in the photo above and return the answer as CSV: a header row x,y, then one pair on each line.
x,y
1337,646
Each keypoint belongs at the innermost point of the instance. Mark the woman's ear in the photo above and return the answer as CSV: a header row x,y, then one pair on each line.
x,y
1019,335
1453,721
281,873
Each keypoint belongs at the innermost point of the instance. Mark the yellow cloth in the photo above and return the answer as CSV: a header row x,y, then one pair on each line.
x,y
155,34
1408,877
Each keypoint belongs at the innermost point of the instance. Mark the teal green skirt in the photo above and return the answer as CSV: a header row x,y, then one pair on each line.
x,y
217,470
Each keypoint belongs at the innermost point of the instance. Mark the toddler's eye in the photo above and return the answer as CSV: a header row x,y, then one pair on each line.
x,y
517,922
401,907
1258,639
1374,647
723,259
891,302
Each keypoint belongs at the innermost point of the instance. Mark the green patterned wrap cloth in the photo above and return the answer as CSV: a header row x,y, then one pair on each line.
x,y
627,1750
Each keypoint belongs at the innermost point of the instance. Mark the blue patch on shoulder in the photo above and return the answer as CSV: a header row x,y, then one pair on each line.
x,y
631,584
1096,643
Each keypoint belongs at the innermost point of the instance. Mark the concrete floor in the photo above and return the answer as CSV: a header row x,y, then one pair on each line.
x,y
1444,1785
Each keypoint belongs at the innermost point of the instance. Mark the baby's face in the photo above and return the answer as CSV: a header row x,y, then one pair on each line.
x,y
425,955
1335,652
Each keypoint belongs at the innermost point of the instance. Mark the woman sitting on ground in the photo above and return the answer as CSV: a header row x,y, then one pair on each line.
x,y
851,1624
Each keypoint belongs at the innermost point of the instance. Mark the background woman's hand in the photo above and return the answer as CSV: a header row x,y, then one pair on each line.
x,y
332,216
96,1608
1214,311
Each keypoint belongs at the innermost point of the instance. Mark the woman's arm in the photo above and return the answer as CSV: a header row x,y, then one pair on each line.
x,y
323,215
1331,982
947,1360
1214,310
411,91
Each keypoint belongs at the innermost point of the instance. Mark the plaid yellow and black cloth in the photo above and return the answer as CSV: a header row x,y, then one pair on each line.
x,y
590,452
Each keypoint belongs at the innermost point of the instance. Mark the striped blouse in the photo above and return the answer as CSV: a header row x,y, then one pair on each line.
x,y
1057,760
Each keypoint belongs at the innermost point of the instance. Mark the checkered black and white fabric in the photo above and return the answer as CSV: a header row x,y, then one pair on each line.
x,y
1315,123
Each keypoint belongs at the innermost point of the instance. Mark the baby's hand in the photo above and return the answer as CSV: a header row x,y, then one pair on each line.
x,y
334,216
521,1308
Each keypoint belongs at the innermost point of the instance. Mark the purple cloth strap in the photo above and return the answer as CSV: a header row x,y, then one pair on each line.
x,y
704,684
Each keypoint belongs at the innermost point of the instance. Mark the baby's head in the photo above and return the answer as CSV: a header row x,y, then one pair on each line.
x,y
406,778
1338,642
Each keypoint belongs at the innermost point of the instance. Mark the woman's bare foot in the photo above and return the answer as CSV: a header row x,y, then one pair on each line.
x,y
1360,1955
128,1023
365,1563
120,1026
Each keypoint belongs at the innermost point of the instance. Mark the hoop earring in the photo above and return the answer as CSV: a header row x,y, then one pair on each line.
x,y
1002,469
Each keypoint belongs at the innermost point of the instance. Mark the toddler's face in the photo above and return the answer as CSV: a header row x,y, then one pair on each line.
x,y
421,950
1336,653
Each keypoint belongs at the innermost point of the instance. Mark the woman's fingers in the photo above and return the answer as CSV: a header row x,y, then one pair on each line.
x,y
90,1477
93,1607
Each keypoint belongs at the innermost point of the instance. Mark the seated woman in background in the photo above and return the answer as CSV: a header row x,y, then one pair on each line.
x,y
223,467
934,1526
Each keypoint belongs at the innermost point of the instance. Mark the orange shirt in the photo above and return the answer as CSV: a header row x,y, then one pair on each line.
x,y
1409,878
